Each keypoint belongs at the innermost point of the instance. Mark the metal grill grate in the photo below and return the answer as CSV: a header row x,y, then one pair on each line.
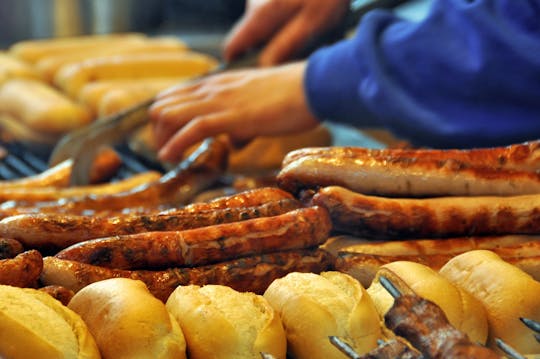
x,y
23,161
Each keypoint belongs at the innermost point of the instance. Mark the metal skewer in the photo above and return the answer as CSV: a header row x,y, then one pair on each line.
x,y
344,347
508,350
267,356
389,286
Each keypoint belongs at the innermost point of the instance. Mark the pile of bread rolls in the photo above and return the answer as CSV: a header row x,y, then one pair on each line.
x,y
294,318
51,86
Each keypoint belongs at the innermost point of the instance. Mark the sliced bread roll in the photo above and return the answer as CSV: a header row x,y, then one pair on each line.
x,y
462,310
127,321
313,307
507,293
35,325
219,322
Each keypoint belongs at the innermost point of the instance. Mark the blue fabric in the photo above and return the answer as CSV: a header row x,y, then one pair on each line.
x,y
468,75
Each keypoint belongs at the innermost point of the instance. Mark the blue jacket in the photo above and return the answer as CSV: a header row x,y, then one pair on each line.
x,y
468,75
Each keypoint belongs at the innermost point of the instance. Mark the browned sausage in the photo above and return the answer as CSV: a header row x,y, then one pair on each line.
x,y
9,248
379,217
104,167
177,186
404,177
425,326
249,198
59,293
301,228
521,156
40,194
364,266
23,270
57,231
252,274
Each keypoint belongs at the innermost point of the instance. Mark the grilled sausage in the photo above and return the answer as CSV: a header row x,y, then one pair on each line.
x,y
521,156
59,293
9,248
104,167
425,326
252,274
301,228
54,231
404,177
379,217
249,198
177,186
37,194
23,270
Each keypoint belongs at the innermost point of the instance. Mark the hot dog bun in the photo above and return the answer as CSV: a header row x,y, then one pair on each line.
x,y
462,310
127,321
219,322
313,307
35,325
506,292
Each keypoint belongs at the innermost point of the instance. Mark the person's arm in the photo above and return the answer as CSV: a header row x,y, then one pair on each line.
x,y
468,75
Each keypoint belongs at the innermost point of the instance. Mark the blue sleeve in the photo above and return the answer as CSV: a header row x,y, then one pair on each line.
x,y
468,75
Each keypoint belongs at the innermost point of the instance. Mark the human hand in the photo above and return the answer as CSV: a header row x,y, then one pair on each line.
x,y
242,104
287,26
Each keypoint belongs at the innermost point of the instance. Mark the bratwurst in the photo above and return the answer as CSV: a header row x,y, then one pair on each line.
x,y
301,228
404,176
391,218
252,274
58,231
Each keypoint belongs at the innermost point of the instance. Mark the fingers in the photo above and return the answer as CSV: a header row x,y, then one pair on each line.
x,y
256,27
195,131
288,41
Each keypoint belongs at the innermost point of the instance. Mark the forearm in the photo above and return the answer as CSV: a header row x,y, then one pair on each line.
x,y
465,76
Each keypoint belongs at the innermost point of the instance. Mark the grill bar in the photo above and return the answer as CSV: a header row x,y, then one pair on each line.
x,y
22,161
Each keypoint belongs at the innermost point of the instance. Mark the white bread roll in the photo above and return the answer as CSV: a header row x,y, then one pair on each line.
x,y
127,321
313,307
462,310
506,291
41,107
35,325
219,322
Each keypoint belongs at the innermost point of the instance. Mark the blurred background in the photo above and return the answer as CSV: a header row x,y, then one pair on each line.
x,y
201,23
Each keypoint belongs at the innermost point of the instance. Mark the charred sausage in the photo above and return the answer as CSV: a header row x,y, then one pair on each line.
x,y
301,228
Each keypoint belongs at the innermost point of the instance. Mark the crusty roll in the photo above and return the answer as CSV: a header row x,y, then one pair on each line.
x,y
506,292
313,307
11,67
127,321
93,94
72,77
35,325
463,311
219,322
34,50
41,108
49,65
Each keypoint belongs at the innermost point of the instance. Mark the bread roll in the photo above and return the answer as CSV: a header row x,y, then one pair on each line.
x,y
72,77
49,65
463,311
41,107
506,292
11,67
313,307
127,321
34,50
219,322
35,325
